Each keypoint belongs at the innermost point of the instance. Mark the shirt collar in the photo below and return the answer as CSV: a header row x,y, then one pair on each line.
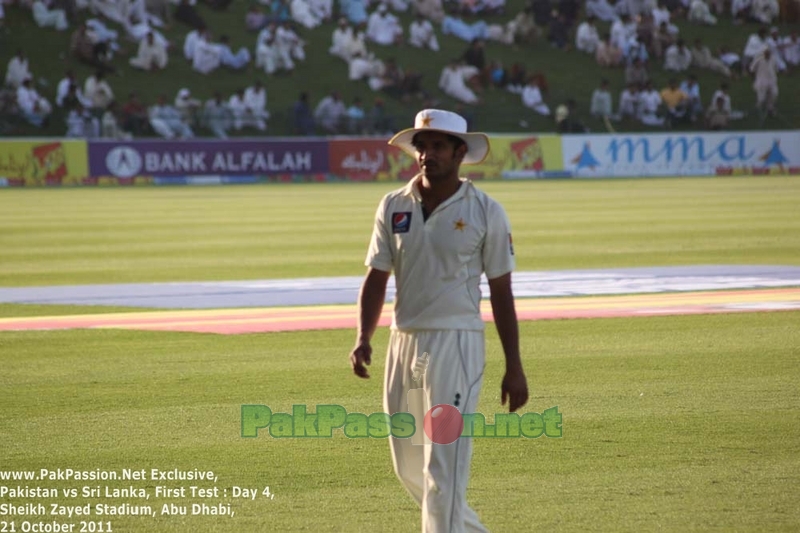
x,y
411,189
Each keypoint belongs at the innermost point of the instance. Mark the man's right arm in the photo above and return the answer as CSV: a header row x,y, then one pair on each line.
x,y
370,306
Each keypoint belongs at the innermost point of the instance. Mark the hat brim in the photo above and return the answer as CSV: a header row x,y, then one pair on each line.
x,y
477,143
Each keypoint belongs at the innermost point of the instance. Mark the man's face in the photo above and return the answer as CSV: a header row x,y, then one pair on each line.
x,y
437,156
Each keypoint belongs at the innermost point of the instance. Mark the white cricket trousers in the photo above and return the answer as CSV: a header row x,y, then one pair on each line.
x,y
436,475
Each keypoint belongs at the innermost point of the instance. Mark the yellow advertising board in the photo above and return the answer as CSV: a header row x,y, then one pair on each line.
x,y
37,162
510,157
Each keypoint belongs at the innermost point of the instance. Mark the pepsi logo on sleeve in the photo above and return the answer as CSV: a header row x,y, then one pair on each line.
x,y
401,222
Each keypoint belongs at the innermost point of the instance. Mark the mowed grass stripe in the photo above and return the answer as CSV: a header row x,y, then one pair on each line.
x,y
675,423
256,232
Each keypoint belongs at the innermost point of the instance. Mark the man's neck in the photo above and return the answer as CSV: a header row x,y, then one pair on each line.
x,y
435,193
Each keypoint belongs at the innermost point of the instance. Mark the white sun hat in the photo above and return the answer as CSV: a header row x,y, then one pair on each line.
x,y
444,122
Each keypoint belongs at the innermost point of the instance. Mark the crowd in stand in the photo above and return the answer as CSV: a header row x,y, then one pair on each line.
x,y
643,37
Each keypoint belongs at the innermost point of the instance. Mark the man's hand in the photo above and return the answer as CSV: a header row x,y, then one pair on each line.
x,y
515,390
359,357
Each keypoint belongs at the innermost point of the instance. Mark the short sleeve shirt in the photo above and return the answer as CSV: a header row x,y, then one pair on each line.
x,y
438,262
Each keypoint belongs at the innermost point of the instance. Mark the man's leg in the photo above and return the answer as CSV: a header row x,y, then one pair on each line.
x,y
406,457
454,377
436,475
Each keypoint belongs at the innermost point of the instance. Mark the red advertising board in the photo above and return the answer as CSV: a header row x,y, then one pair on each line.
x,y
369,160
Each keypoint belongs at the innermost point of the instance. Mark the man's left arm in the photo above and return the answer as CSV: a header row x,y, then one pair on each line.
x,y
514,387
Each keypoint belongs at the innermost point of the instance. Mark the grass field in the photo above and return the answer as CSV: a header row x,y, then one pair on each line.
x,y
570,74
681,423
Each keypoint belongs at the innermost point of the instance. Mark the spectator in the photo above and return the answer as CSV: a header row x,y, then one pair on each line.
x,y
790,47
190,42
151,55
765,71
662,39
630,102
330,113
702,58
289,45
587,38
567,120
765,11
569,10
161,10
608,54
81,123
622,31
187,13
730,59
255,100
772,41
649,106
255,19
86,50
356,118
523,27
601,10
302,115
634,49
380,121
354,10
430,9
167,122
110,127
341,39
421,34
558,32
384,28
241,115
207,55
97,91
532,97
279,11
453,81
717,117
134,116
366,67
227,58
663,15
675,101
268,57
699,13
636,73
216,116
756,44
49,18
722,93
33,107
187,107
677,58
694,103
303,15
542,12
65,85
601,101
18,70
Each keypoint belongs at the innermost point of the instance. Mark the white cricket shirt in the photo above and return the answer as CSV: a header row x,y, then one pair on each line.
x,y
438,263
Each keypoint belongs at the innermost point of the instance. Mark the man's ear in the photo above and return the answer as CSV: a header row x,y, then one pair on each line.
x,y
461,152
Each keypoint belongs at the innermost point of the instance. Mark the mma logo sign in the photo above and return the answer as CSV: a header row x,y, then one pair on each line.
x,y
401,222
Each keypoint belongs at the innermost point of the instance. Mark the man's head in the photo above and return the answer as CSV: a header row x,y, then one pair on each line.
x,y
438,154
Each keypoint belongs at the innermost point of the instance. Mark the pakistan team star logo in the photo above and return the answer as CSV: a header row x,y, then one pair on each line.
x,y
460,224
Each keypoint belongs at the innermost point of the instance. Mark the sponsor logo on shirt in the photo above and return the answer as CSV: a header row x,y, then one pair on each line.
x,y
510,244
401,222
